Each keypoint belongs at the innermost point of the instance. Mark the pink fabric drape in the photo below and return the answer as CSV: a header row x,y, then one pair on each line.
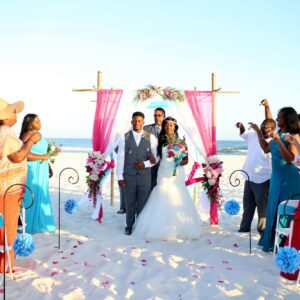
x,y
202,107
201,104
107,105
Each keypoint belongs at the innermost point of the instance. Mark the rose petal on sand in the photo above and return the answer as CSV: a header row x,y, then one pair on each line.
x,y
236,245
229,269
80,242
54,273
221,281
64,257
147,241
132,282
226,262
55,262
143,260
72,253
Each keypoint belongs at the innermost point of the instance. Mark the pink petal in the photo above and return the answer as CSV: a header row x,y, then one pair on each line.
x,y
1,291
65,271
147,241
229,269
236,245
55,262
143,260
103,255
226,262
80,242
75,246
203,267
221,281
144,265
75,262
54,273
132,282
72,253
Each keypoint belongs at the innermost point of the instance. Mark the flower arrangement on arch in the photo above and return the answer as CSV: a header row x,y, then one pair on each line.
x,y
96,168
151,91
213,170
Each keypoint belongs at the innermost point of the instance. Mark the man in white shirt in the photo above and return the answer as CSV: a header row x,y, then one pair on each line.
x,y
258,167
134,167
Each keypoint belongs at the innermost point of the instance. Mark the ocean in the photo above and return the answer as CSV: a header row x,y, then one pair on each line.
x,y
85,145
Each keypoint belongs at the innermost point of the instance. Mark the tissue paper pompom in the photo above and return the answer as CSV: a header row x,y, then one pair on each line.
x,y
287,260
232,207
71,206
24,244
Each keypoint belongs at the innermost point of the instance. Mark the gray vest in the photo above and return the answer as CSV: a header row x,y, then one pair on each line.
x,y
134,153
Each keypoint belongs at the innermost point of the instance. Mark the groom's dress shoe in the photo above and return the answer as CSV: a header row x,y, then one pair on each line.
x,y
128,231
121,211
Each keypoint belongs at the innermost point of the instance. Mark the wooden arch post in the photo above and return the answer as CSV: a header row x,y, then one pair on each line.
x,y
96,89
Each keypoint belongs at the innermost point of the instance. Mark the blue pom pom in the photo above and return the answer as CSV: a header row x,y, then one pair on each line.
x,y
287,259
71,206
24,244
232,207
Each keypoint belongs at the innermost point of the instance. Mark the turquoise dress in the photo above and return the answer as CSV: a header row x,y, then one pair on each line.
x,y
285,183
39,217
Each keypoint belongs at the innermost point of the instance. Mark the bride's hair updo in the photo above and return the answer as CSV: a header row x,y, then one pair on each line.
x,y
163,138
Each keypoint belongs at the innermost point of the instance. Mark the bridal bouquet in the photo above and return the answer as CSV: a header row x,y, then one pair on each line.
x,y
211,180
96,168
178,152
52,151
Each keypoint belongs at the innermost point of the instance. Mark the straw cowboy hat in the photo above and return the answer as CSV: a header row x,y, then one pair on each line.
x,y
6,109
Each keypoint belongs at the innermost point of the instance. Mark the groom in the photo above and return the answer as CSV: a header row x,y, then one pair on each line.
x,y
134,167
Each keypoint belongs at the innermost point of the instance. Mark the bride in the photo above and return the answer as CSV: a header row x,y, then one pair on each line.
x,y
170,212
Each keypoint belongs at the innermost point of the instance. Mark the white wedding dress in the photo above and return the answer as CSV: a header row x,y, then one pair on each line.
x,y
170,211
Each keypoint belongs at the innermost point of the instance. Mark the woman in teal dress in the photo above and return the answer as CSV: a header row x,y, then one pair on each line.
x,y
285,179
39,217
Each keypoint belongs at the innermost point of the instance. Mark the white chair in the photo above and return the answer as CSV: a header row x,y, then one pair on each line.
x,y
285,208
5,250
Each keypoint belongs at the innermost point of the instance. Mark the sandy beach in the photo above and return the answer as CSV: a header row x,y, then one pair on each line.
x,y
97,261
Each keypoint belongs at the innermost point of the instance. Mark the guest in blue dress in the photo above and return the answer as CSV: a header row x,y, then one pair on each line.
x,y
39,217
285,178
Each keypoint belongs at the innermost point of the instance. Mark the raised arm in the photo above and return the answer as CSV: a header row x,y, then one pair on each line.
x,y
265,146
268,114
241,127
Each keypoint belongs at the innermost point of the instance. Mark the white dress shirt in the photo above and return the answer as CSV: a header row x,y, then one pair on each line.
x,y
121,152
258,164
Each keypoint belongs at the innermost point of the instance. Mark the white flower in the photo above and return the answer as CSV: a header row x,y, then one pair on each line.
x,y
213,159
52,148
94,177
212,181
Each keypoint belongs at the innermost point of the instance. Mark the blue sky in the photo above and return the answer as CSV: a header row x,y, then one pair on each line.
x,y
49,47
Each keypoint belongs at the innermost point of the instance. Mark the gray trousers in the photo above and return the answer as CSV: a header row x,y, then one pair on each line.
x,y
136,192
255,195
122,199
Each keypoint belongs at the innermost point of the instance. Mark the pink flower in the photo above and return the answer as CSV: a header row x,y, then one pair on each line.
x,y
167,93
